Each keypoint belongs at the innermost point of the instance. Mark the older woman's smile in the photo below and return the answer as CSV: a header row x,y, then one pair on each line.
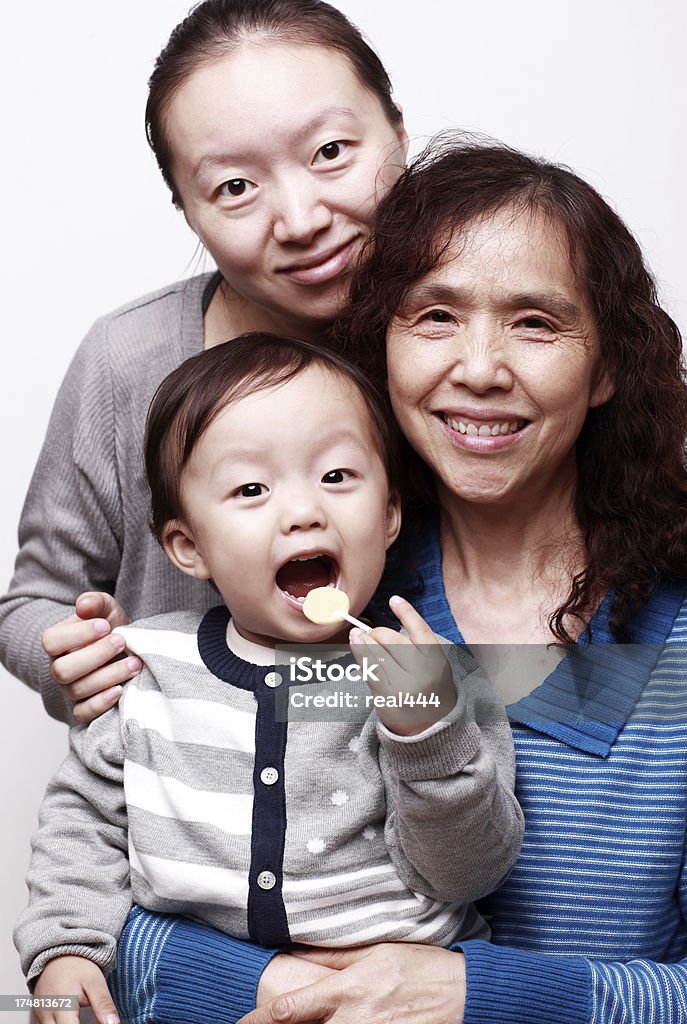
x,y
484,432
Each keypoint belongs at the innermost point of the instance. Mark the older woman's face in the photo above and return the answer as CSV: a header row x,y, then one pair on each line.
x,y
494,362
280,157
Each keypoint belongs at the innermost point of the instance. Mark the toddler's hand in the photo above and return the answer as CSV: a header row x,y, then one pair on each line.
x,y
75,976
82,649
412,672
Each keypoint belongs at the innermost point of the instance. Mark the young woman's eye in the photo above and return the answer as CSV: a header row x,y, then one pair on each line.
x,y
236,188
331,151
251,490
336,476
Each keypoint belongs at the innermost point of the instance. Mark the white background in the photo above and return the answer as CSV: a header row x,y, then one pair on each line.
x,y
87,223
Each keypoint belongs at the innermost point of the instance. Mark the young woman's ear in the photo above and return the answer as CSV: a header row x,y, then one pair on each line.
x,y
402,134
181,549
393,518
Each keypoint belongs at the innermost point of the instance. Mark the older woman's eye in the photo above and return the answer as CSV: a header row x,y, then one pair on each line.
x,y
535,323
330,151
439,316
236,188
251,491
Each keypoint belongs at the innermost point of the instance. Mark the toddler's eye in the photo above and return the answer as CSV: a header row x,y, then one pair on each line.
x,y
331,151
236,188
251,490
336,476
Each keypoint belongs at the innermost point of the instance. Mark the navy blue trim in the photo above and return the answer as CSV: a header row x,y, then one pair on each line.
x,y
267,923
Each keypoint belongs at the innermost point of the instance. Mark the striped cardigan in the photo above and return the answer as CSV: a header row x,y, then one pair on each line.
x,y
327,832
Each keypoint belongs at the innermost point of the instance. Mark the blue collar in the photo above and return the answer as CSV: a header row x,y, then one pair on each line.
x,y
589,696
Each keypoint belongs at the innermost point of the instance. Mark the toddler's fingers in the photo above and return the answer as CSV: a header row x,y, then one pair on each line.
x,y
413,623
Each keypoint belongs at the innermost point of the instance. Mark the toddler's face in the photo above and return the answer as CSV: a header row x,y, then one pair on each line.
x,y
287,491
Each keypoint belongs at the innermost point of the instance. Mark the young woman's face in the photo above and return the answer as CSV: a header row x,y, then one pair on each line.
x,y
494,363
280,157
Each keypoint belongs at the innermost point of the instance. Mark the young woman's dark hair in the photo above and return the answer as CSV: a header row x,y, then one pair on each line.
x,y
631,493
214,28
193,395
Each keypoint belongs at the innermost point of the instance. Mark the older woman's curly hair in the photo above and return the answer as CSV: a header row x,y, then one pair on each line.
x,y
631,492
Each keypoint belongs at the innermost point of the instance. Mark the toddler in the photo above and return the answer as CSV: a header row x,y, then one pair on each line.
x,y
271,469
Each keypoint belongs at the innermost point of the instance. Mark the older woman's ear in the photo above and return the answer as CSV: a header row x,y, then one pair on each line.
x,y
603,389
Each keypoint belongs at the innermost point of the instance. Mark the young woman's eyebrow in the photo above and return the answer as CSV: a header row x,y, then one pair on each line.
x,y
224,158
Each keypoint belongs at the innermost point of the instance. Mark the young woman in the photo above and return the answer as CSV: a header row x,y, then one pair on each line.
x,y
279,181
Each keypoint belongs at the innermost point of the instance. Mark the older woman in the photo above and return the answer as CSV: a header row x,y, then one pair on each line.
x,y
532,370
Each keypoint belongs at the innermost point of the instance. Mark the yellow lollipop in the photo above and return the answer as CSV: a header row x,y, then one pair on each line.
x,y
327,605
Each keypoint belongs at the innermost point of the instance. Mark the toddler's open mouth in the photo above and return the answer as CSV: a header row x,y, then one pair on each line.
x,y
305,572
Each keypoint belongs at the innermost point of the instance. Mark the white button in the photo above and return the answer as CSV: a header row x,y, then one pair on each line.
x,y
266,880
269,776
273,679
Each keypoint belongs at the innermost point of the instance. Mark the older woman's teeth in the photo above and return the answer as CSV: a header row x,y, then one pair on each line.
x,y
484,429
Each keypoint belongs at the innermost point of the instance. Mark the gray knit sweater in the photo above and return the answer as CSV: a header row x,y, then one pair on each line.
x,y
85,520
191,797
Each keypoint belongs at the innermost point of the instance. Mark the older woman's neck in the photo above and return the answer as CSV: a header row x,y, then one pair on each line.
x,y
507,567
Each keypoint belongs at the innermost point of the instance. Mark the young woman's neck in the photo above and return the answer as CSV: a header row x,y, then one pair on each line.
x,y
230,315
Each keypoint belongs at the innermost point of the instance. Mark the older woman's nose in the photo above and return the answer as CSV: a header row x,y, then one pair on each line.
x,y
300,213
481,361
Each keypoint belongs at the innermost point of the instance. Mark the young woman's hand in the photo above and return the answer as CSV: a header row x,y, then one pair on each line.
x,y
85,655
74,976
414,686
397,982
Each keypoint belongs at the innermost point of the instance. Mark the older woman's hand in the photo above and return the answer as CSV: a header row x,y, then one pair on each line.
x,y
400,982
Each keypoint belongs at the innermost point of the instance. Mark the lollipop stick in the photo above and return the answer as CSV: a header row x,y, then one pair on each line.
x,y
356,622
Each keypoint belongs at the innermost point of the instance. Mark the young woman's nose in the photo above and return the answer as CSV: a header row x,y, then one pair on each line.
x,y
481,360
300,212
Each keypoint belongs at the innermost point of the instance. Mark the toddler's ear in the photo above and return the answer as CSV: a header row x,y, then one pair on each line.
x,y
181,549
393,518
